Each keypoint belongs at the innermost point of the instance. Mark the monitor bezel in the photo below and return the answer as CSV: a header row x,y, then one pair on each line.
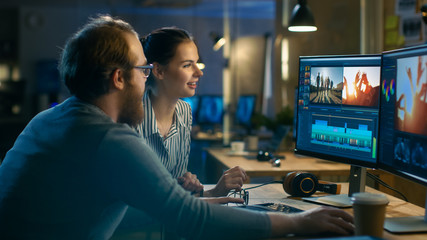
x,y
380,164
339,159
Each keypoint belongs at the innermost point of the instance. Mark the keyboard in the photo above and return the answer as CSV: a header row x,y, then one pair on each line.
x,y
276,207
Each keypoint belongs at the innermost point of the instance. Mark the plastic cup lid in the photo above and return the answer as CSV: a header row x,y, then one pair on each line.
x,y
369,198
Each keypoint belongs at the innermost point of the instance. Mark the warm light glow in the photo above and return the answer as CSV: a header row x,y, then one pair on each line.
x,y
201,66
219,44
349,88
4,72
363,87
285,59
302,28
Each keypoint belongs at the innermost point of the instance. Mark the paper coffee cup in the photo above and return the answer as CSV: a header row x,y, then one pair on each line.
x,y
369,213
251,143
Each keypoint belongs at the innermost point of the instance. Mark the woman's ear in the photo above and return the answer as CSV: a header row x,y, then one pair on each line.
x,y
158,70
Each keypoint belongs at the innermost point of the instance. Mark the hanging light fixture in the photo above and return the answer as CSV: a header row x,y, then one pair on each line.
x,y
218,40
302,19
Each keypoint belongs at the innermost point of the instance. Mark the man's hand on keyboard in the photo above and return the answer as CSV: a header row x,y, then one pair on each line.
x,y
326,220
312,222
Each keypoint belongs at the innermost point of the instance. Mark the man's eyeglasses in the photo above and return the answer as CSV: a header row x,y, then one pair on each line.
x,y
240,194
146,69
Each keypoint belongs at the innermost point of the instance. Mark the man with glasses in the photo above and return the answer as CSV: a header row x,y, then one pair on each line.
x,y
76,167
146,70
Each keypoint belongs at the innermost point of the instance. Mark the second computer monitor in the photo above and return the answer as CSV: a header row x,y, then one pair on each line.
x,y
403,124
194,104
210,110
245,110
338,102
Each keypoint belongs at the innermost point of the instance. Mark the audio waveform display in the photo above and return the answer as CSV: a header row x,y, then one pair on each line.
x,y
359,139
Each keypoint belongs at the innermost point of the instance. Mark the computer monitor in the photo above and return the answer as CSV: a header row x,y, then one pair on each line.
x,y
294,122
194,104
403,124
338,113
211,110
245,110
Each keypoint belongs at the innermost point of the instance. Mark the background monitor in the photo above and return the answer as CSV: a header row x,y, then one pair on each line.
x,y
337,114
194,104
403,124
245,110
210,109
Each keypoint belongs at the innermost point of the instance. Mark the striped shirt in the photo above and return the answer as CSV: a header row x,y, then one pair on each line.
x,y
174,150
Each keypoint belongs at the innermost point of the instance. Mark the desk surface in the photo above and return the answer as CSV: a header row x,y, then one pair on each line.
x,y
396,207
292,162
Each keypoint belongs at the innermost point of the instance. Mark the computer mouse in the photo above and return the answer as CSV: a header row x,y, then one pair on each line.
x,y
275,162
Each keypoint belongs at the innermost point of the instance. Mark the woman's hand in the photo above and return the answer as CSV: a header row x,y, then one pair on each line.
x,y
231,179
190,182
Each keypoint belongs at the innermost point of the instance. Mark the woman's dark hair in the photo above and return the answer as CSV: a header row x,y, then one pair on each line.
x,y
93,53
161,44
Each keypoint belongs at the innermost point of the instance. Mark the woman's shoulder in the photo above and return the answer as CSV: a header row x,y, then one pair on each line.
x,y
183,106
183,111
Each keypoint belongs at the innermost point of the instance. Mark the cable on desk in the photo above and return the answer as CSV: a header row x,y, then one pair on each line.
x,y
377,179
262,184
245,194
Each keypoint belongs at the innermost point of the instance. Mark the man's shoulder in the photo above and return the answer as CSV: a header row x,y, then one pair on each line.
x,y
78,117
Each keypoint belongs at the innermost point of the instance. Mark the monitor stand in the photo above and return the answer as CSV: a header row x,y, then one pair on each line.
x,y
407,224
357,182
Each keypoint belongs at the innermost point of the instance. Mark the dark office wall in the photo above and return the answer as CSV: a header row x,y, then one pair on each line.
x,y
42,33
44,30
247,64
338,29
338,32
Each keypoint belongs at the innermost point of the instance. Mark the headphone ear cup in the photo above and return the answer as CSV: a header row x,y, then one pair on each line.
x,y
300,184
287,183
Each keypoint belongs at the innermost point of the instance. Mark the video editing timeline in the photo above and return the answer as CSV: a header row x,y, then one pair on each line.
x,y
346,137
342,135
338,101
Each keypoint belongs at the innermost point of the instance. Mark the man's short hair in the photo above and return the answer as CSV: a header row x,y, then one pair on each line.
x,y
92,54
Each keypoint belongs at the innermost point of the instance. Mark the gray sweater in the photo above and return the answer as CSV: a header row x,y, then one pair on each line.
x,y
72,173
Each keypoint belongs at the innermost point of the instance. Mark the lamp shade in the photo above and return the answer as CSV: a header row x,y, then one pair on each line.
x,y
302,19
